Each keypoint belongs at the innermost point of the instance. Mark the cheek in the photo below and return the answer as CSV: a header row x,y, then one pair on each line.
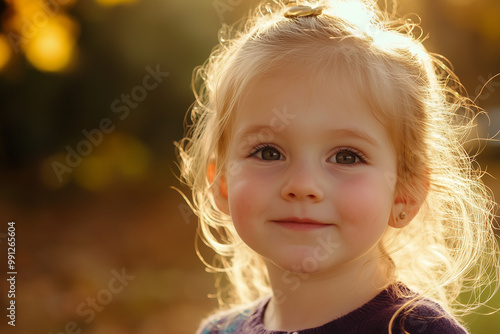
x,y
247,199
365,201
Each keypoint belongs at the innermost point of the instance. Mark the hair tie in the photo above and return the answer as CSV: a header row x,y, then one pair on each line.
x,y
303,11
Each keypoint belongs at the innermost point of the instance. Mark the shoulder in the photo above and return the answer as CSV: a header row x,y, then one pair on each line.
x,y
404,311
223,323
230,321
427,317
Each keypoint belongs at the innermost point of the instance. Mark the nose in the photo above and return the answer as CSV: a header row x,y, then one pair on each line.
x,y
302,182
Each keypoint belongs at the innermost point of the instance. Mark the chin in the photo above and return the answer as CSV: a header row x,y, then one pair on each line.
x,y
302,264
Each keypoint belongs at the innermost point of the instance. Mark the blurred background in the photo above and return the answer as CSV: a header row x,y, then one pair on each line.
x,y
93,94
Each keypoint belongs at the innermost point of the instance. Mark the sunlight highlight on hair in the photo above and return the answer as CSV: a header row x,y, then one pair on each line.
x,y
350,10
450,247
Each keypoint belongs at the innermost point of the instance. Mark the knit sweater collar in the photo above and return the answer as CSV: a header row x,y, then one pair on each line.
x,y
343,324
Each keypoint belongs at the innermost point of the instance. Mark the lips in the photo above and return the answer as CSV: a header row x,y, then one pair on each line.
x,y
300,224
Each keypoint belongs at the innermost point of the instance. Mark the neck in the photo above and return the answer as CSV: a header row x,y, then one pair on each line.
x,y
303,300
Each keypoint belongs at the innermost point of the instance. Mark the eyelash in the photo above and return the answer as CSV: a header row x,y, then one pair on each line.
x,y
262,147
358,154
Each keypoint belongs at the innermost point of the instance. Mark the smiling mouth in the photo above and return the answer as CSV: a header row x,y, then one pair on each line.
x,y
300,224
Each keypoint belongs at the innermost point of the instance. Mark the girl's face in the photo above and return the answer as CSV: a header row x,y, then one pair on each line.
x,y
310,175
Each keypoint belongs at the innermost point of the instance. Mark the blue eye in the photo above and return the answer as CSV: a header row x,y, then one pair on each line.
x,y
267,152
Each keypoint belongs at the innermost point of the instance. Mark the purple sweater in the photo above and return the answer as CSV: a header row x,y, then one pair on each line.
x,y
372,318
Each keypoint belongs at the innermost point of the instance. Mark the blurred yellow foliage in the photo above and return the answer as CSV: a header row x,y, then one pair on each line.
x,y
44,32
5,51
25,8
114,2
119,156
94,173
53,48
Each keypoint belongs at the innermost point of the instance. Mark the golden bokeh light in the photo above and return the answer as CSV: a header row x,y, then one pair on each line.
x,y
53,47
119,156
109,3
43,32
94,173
130,156
5,51
26,8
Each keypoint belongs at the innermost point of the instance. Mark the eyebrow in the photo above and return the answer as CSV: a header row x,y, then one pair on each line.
x,y
350,133
355,134
252,130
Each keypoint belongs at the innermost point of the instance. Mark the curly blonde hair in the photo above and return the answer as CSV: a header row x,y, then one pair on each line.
x,y
450,246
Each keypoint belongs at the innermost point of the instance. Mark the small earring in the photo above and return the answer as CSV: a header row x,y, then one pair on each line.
x,y
402,215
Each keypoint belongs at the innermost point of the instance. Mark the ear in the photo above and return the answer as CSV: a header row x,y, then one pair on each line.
x,y
219,188
401,213
406,206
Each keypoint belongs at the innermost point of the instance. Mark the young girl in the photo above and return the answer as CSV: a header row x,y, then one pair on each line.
x,y
328,175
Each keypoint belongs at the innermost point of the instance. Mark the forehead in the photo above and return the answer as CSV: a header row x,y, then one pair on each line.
x,y
332,100
304,110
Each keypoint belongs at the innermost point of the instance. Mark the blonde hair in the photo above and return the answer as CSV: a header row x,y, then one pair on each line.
x,y
450,247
